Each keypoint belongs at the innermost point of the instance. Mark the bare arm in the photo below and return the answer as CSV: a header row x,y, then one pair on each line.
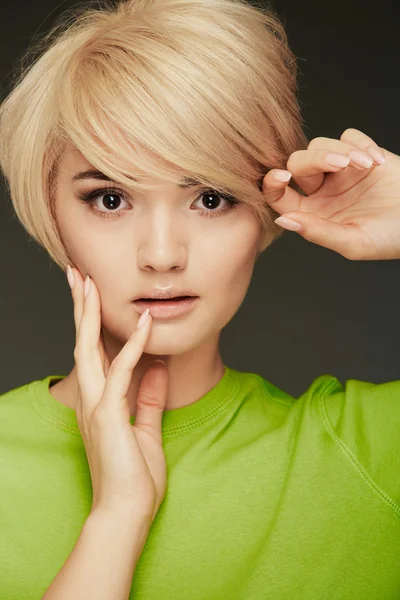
x,y
127,462
103,560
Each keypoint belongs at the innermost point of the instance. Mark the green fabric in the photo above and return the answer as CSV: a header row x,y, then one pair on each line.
x,y
268,496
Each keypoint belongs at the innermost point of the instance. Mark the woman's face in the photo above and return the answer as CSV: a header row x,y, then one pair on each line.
x,y
159,239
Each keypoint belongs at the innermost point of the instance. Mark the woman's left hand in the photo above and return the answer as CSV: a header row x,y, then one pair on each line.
x,y
352,210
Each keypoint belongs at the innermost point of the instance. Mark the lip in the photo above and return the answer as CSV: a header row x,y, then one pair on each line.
x,y
166,309
159,294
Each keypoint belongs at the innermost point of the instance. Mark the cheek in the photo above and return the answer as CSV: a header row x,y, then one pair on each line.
x,y
227,272
90,253
85,241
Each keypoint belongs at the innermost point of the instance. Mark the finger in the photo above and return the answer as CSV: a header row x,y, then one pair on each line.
x,y
275,183
76,284
103,354
120,373
77,298
87,357
151,400
280,197
358,159
345,239
309,166
364,143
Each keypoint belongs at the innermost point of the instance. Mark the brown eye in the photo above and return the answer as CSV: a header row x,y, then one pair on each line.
x,y
212,200
106,202
108,199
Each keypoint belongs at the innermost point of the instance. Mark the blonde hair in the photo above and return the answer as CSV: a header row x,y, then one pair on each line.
x,y
143,87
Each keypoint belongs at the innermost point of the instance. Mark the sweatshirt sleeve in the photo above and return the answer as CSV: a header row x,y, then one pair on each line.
x,y
363,418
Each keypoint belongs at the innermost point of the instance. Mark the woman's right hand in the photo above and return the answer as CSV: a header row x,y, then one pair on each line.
x,y
127,462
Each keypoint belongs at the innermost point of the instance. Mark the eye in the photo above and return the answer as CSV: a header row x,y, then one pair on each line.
x,y
213,197
110,199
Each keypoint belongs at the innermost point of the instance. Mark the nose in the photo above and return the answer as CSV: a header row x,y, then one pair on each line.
x,y
162,243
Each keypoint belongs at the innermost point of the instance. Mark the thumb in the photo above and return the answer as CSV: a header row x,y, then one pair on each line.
x,y
341,238
151,399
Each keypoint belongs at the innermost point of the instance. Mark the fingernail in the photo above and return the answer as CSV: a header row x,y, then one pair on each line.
x,y
87,285
288,223
70,277
281,176
360,159
158,360
377,155
143,318
337,160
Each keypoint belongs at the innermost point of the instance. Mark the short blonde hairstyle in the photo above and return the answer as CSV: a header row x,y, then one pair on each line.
x,y
143,87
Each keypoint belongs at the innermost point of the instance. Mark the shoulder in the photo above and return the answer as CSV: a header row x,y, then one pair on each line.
x,y
363,419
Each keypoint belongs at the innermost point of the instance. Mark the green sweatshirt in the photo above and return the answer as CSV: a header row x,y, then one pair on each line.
x,y
268,496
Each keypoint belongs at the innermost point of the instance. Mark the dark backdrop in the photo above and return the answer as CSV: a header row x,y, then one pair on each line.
x,y
308,311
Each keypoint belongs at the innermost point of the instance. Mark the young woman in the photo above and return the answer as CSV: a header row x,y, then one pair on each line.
x,y
135,127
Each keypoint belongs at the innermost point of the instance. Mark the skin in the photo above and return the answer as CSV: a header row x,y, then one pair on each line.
x,y
160,240
352,210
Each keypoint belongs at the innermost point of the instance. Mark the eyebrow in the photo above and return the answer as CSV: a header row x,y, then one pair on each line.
x,y
186,182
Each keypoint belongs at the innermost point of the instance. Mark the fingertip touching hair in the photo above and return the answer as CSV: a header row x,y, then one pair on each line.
x,y
148,88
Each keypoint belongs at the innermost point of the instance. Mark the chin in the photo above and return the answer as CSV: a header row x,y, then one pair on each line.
x,y
159,343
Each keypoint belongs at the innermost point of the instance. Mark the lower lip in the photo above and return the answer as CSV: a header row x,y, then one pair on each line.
x,y
166,309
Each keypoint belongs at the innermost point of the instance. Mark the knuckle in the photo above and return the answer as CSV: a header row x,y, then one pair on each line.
x,y
153,388
291,162
294,156
349,131
316,142
272,196
150,397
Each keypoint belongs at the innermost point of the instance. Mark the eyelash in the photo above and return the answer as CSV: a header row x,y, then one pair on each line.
x,y
91,197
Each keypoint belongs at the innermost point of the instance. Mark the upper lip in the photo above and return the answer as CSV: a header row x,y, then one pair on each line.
x,y
161,295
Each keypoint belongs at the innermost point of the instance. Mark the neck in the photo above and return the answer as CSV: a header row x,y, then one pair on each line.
x,y
190,376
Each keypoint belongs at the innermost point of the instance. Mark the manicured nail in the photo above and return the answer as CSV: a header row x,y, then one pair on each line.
x,y
360,159
288,223
87,285
143,318
70,277
337,160
281,176
377,155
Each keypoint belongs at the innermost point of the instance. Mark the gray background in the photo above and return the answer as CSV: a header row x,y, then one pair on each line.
x,y
308,310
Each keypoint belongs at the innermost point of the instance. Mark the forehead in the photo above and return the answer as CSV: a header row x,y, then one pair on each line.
x,y
74,166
